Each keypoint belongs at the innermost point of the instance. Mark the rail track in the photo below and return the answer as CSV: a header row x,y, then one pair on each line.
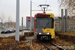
x,y
60,48
49,44
42,45
46,45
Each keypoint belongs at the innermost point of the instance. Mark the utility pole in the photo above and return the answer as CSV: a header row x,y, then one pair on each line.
x,y
17,19
62,20
22,25
66,20
59,24
1,23
30,14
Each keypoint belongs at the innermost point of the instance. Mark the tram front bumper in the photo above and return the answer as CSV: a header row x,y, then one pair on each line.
x,y
44,37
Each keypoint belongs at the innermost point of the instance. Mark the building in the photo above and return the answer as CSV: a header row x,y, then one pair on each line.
x,y
71,23
57,23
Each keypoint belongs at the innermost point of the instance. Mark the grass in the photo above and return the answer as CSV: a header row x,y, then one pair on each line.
x,y
67,44
69,30
68,33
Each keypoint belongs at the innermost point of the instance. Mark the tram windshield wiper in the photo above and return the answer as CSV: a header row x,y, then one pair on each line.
x,y
46,25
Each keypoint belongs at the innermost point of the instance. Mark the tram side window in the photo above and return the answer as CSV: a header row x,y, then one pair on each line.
x,y
52,23
35,23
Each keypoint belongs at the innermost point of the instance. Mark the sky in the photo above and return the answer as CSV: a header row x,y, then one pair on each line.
x,y
8,9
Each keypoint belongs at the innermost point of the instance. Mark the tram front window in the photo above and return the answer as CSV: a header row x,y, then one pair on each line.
x,y
44,23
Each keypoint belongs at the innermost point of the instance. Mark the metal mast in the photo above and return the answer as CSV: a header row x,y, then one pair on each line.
x,y
17,19
30,14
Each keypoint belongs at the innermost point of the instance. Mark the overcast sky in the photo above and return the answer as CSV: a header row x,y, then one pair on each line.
x,y
8,8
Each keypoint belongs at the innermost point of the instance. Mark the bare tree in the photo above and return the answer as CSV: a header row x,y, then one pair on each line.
x,y
68,4
10,24
2,17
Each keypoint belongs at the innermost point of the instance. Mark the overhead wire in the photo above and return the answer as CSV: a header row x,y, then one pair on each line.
x,y
36,5
45,1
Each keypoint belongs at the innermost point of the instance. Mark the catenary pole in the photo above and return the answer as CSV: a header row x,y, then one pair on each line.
x,y
22,25
66,20
30,14
62,20
17,19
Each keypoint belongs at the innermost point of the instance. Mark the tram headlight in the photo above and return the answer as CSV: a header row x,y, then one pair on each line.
x,y
39,33
48,33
